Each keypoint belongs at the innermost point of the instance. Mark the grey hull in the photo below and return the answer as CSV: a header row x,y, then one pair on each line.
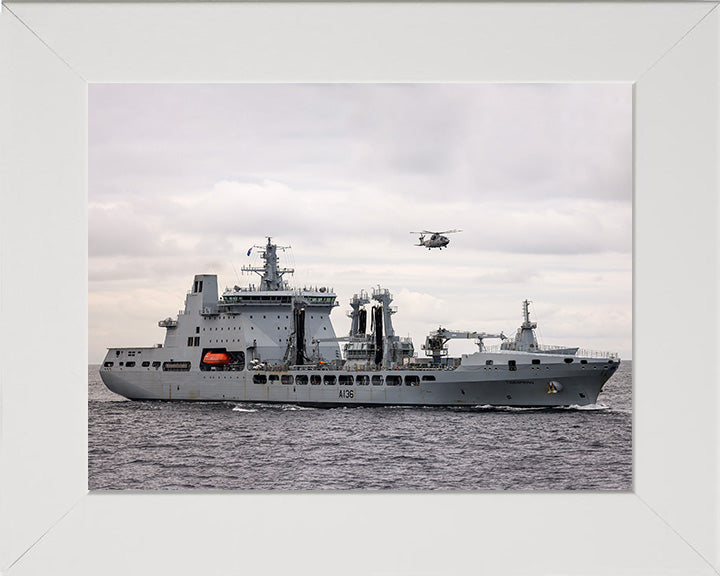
x,y
572,385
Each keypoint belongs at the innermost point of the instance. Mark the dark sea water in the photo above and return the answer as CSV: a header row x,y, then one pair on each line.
x,y
225,445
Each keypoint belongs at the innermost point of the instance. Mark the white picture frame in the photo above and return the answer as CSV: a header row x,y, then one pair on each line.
x,y
49,523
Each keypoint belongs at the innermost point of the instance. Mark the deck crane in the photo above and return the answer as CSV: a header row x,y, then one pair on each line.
x,y
436,342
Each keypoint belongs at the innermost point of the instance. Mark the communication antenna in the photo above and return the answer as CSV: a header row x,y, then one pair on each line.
x,y
234,270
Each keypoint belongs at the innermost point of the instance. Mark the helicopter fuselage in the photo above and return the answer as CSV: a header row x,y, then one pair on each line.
x,y
435,241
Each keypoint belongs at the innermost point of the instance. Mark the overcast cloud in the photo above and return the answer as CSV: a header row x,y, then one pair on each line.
x,y
184,179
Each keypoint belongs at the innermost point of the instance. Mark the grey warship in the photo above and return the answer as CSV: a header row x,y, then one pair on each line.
x,y
273,343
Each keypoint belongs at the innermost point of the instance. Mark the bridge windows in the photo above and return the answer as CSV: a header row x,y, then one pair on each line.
x,y
412,381
301,379
393,381
345,380
362,380
431,378
259,378
512,365
329,380
286,379
377,380
315,379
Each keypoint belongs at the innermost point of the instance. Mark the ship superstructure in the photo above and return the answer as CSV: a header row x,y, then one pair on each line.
x,y
274,343
526,341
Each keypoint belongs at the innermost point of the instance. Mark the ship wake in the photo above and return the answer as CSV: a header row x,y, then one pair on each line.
x,y
572,408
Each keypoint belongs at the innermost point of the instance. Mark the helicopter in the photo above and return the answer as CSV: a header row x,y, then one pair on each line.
x,y
436,240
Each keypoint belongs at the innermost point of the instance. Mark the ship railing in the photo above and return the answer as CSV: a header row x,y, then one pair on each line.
x,y
294,290
581,352
352,367
540,347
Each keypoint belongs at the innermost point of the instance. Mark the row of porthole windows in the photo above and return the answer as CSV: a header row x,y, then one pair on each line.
x,y
342,380
513,364
131,364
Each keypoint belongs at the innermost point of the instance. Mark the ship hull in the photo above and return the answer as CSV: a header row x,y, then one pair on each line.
x,y
277,344
475,386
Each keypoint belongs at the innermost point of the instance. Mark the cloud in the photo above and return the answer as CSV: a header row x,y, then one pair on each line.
x,y
184,179
515,276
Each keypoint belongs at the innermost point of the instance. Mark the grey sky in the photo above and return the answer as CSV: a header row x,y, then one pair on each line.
x,y
184,179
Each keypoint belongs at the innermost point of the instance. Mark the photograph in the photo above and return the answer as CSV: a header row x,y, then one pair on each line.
x,y
360,286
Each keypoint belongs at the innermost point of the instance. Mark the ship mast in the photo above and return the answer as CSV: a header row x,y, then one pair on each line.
x,y
526,333
270,274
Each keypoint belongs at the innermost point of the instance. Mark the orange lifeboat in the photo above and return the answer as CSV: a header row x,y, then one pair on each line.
x,y
216,359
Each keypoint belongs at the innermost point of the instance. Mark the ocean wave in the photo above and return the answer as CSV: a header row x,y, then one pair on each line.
x,y
491,408
587,407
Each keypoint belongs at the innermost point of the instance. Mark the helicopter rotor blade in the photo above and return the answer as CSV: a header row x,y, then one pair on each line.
x,y
433,232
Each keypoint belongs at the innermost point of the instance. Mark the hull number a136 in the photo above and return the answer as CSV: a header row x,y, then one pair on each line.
x,y
347,394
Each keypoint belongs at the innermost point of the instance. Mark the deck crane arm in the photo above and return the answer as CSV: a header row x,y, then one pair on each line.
x,y
436,342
